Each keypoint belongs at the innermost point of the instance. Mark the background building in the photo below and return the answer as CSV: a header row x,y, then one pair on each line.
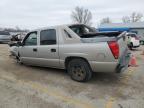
x,y
137,27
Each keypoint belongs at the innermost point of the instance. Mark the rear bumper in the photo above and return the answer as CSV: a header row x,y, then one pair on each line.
x,y
108,67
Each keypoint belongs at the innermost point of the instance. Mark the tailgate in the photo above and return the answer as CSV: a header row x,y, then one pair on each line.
x,y
124,53
123,49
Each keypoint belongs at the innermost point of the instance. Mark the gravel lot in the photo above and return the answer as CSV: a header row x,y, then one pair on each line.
x,y
34,87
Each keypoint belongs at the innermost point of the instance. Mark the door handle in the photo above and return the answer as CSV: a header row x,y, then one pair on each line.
x,y
53,50
35,49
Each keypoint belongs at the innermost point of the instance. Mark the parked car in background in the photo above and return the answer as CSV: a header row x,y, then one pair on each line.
x,y
76,48
5,37
133,40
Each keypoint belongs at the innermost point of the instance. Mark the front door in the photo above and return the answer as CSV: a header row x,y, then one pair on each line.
x,y
28,52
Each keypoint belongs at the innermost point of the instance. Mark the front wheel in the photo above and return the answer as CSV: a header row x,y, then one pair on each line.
x,y
18,59
79,70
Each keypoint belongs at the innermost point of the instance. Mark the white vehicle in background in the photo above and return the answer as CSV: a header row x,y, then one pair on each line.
x,y
133,40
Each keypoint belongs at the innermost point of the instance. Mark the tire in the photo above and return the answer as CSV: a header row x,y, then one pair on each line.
x,y
131,46
79,70
19,60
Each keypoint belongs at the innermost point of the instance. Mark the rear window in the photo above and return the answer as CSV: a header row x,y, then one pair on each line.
x,y
4,33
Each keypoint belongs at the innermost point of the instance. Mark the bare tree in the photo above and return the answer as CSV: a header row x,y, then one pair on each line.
x,y
134,17
126,19
106,20
82,16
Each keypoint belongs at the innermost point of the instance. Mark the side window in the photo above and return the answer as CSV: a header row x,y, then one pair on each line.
x,y
48,37
31,39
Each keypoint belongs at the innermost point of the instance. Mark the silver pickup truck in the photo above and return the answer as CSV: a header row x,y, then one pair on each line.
x,y
76,48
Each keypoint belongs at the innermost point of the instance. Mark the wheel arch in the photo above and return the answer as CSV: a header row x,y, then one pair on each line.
x,y
68,59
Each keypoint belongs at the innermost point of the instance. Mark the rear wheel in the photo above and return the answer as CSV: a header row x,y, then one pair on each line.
x,y
79,70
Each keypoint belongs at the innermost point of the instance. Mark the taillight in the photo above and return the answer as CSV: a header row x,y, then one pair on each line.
x,y
114,48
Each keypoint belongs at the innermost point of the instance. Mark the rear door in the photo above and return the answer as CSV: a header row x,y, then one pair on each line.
x,y
48,48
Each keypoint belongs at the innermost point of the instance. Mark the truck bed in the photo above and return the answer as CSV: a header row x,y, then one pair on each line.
x,y
102,37
101,34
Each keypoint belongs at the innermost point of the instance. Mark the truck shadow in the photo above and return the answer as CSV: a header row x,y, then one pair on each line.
x,y
97,78
106,78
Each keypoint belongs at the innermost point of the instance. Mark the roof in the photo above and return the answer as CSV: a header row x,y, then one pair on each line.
x,y
123,25
57,26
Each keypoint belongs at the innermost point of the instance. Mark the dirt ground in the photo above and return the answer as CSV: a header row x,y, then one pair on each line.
x,y
34,87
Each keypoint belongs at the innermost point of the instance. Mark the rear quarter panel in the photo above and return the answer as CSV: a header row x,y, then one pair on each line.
x,y
98,55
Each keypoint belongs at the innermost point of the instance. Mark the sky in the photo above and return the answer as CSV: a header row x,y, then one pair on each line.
x,y
32,14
